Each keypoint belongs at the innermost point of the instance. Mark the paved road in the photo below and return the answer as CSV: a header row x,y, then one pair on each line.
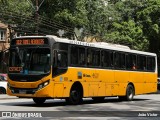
x,y
143,107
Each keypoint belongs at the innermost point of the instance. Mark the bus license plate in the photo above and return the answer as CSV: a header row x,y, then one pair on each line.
x,y
22,91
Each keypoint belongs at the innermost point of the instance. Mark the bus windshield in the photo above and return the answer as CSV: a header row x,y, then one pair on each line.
x,y
29,60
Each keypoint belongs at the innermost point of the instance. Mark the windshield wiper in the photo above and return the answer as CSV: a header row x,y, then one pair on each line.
x,y
20,57
32,55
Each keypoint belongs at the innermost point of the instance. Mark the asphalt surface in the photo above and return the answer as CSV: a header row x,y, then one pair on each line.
x,y
110,109
5,96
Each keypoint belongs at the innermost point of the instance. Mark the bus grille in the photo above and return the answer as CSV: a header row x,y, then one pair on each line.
x,y
23,90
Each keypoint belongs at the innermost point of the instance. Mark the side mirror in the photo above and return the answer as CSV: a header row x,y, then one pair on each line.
x,y
55,57
59,57
27,57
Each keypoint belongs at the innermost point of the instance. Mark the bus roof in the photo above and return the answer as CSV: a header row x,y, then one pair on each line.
x,y
103,45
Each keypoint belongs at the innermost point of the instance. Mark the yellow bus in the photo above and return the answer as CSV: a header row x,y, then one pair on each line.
x,y
45,67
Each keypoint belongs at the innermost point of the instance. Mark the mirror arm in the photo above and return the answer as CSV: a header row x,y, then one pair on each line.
x,y
55,59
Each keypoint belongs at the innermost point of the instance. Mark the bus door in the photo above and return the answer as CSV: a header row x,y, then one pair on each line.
x,y
60,63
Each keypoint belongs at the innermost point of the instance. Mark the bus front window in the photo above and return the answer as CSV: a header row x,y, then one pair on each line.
x,y
29,60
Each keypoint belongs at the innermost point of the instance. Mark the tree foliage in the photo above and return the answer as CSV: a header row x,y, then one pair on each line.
x,y
17,14
135,23
149,19
139,25
15,6
68,12
100,17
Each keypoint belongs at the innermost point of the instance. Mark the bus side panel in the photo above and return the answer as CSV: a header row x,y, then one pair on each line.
x,y
106,76
67,88
101,89
104,82
106,79
62,85
150,87
85,89
114,89
150,82
58,90
139,88
108,90
62,89
84,76
100,77
137,78
93,89
122,89
121,78
147,88
144,82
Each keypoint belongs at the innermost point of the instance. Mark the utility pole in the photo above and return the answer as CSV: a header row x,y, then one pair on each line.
x,y
36,18
36,8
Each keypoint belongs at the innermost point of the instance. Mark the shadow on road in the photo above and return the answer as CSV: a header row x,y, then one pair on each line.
x,y
52,102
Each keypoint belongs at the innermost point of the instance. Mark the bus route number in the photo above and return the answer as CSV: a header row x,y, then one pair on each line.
x,y
30,42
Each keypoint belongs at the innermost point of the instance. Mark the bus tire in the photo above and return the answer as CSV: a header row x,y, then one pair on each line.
x,y
129,93
75,96
39,100
98,99
2,90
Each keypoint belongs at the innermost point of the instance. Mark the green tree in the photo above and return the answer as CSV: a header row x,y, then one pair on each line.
x,y
14,8
128,33
69,14
131,22
17,14
149,18
138,25
100,17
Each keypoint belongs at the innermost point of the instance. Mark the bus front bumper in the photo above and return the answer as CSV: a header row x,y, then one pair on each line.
x,y
40,91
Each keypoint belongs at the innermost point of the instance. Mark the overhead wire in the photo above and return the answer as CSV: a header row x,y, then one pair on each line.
x,y
42,21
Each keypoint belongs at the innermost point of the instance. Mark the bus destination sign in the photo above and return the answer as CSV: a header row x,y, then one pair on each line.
x,y
30,42
34,41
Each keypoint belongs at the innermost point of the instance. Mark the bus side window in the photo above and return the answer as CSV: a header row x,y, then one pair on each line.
x,y
88,60
81,56
102,59
134,66
141,63
116,60
107,59
150,63
62,59
74,55
89,57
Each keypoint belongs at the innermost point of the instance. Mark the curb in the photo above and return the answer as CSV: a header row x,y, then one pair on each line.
x,y
4,96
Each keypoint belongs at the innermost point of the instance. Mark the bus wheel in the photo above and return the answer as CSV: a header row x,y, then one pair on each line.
x,y
39,100
98,99
75,96
2,90
129,93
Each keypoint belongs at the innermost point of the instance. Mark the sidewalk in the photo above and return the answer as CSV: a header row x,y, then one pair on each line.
x,y
5,96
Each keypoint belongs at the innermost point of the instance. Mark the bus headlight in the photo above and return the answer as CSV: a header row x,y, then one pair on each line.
x,y
9,86
42,85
